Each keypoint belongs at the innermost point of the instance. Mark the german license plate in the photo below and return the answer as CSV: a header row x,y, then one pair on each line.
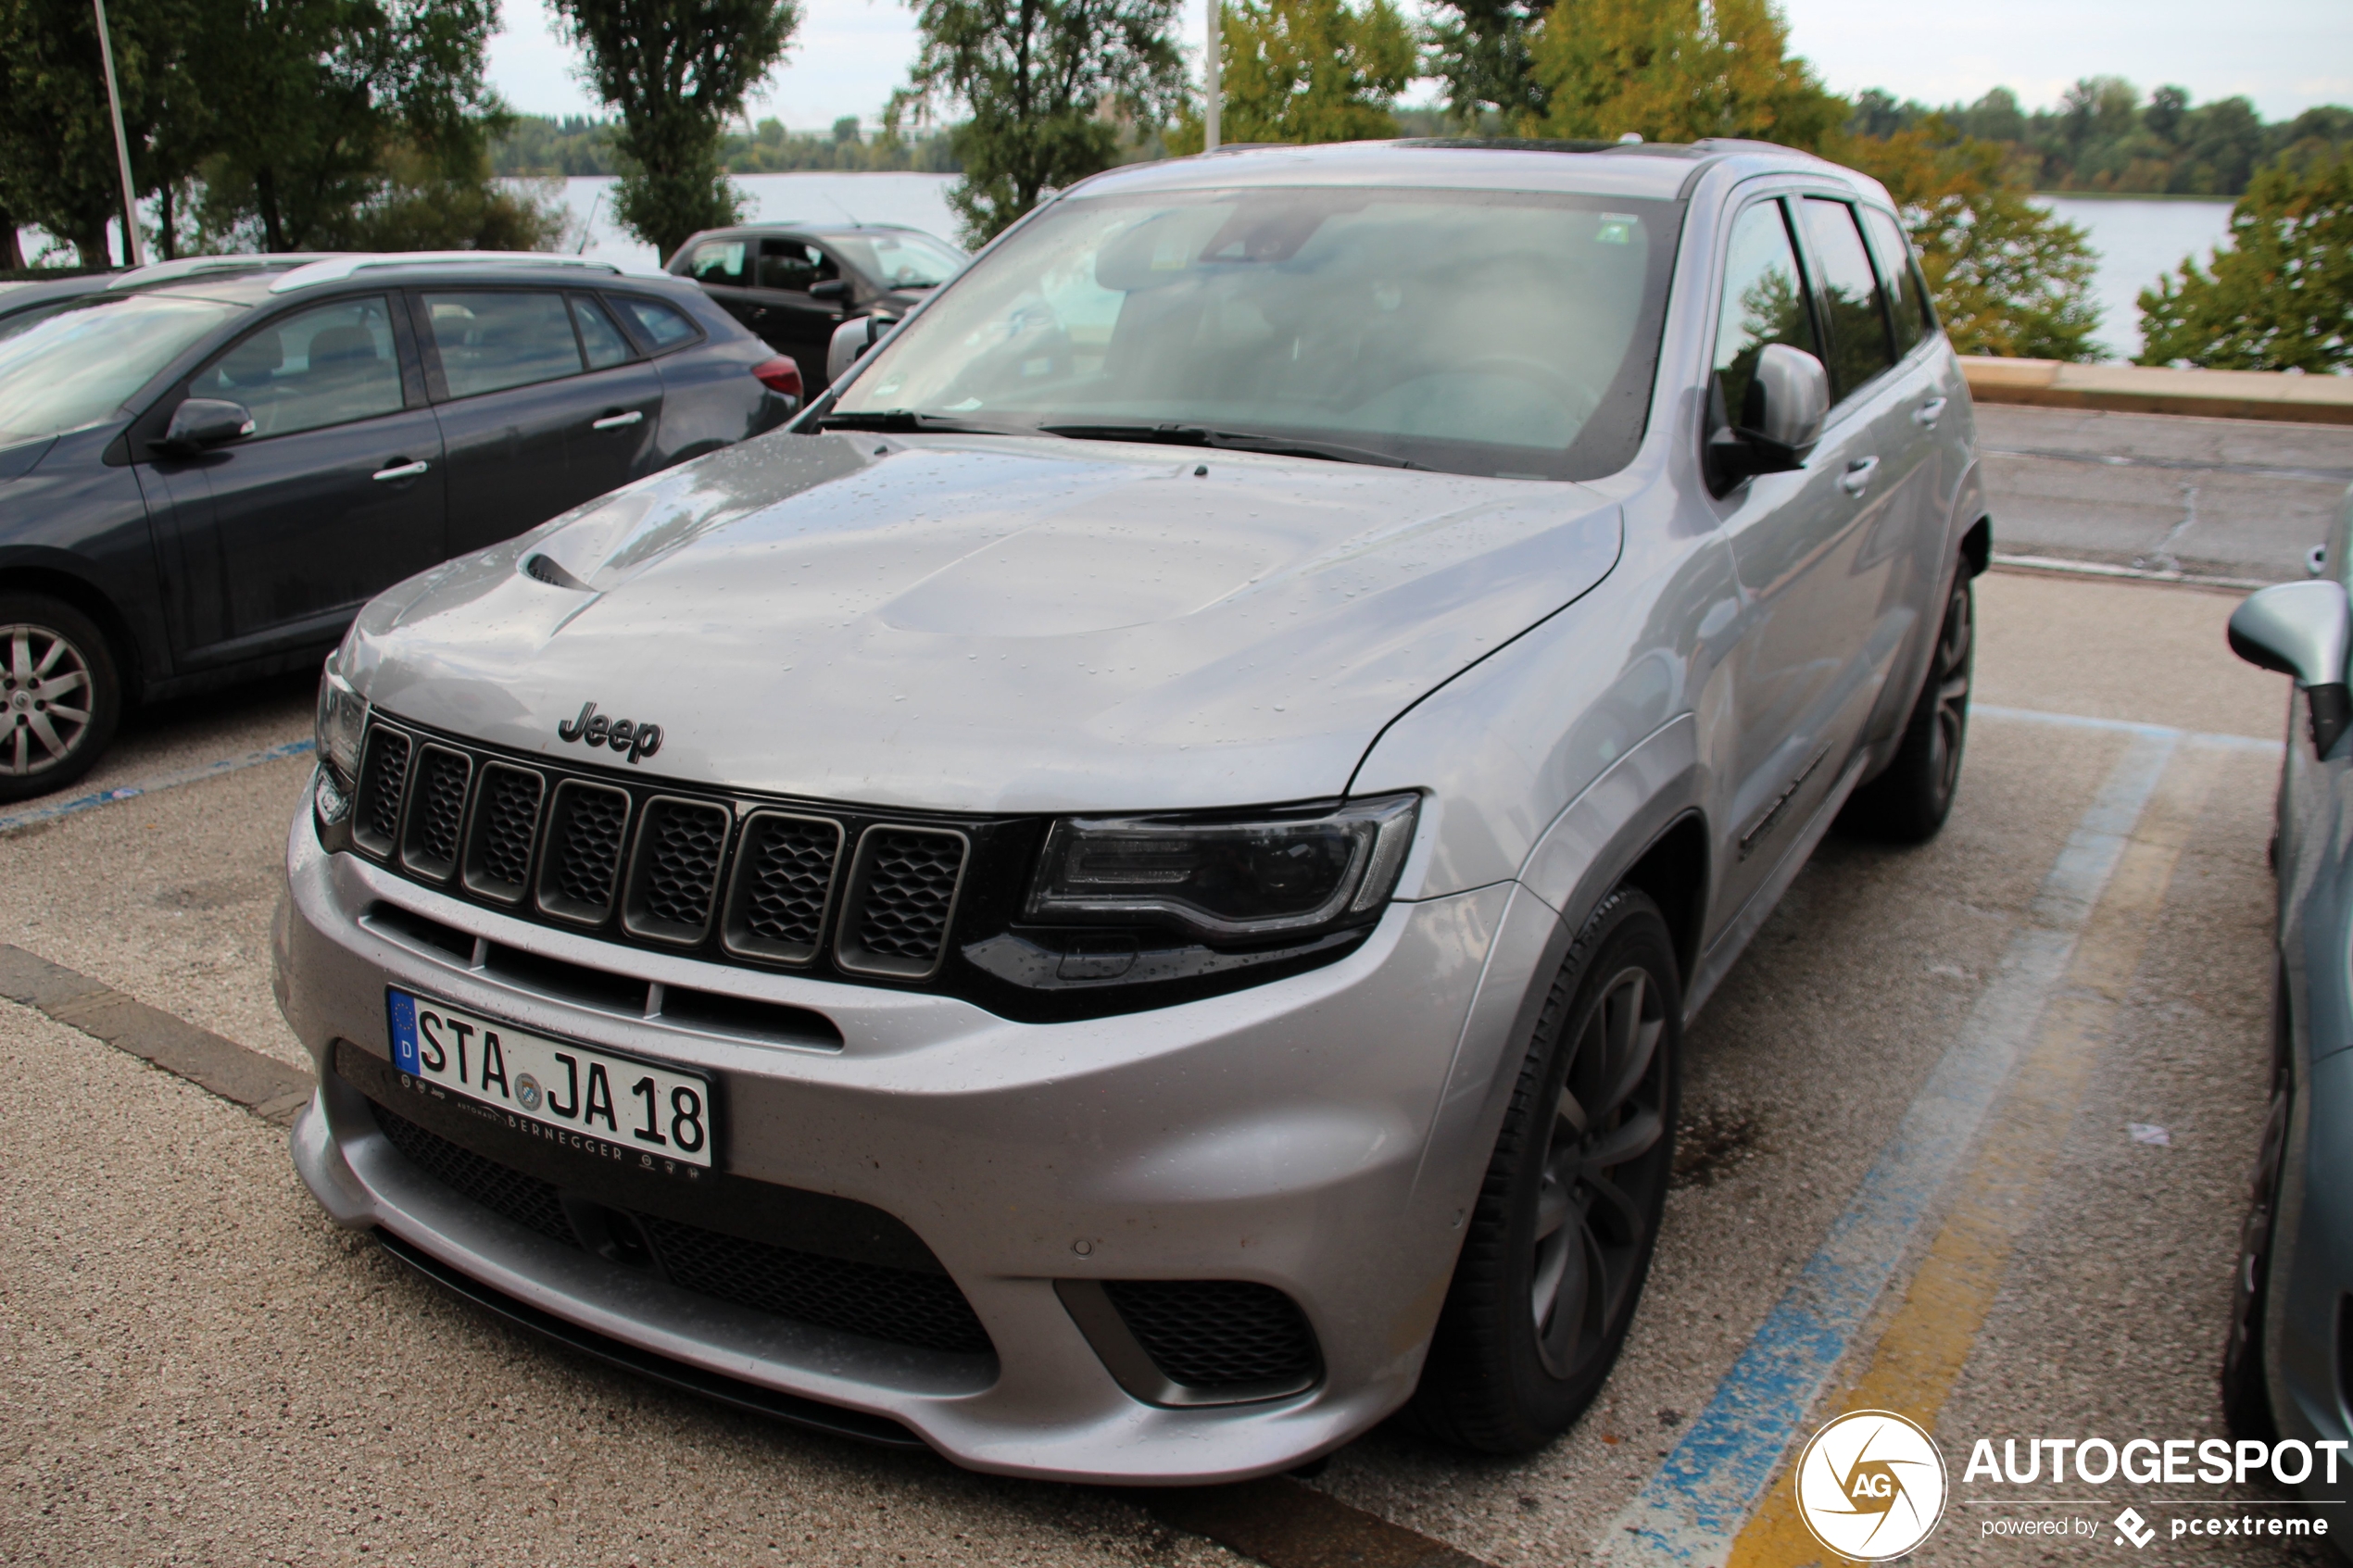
x,y
648,1114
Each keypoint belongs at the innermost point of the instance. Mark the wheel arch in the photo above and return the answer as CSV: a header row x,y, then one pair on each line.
x,y
40,576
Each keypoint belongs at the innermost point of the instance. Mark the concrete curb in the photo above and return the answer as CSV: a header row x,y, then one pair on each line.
x,y
2145,389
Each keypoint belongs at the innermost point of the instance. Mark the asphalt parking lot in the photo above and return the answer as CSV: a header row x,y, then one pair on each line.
x,y
196,1367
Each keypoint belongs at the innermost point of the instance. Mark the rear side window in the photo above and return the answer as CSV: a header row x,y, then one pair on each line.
x,y
664,326
598,337
492,341
789,264
1764,303
718,261
325,365
1899,274
1860,348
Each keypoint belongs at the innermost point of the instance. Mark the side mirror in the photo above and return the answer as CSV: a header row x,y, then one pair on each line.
x,y
202,423
2303,630
830,288
851,342
1782,420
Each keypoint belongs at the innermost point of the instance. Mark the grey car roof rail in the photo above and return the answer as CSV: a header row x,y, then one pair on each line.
x,y
334,269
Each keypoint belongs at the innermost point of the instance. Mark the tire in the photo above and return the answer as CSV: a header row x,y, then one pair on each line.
x,y
60,695
1909,802
1526,1340
2247,1395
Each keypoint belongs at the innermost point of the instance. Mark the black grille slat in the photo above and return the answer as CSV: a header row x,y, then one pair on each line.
x,y
1217,1333
902,894
439,813
527,1201
383,783
902,1306
582,865
899,1305
784,877
506,822
673,877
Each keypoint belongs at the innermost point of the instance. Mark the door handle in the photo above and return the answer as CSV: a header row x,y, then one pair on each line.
x,y
618,422
1858,477
1928,413
400,470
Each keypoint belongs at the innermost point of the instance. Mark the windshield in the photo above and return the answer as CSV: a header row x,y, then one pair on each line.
x,y
1495,332
899,261
78,366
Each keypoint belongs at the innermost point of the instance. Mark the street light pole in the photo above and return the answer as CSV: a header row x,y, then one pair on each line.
x,y
1209,90
121,145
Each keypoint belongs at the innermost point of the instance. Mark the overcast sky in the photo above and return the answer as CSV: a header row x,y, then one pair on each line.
x,y
2285,55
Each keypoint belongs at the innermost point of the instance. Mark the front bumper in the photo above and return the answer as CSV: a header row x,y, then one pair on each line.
x,y
1302,1135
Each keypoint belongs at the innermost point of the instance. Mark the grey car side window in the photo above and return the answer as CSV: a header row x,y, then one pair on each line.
x,y
1763,303
492,341
326,365
602,340
1899,273
793,266
1860,348
718,261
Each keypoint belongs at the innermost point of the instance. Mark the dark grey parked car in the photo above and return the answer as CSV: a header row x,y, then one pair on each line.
x,y
793,283
203,476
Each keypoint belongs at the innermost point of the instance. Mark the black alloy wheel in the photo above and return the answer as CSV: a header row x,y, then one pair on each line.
x,y
1559,1242
1909,802
59,695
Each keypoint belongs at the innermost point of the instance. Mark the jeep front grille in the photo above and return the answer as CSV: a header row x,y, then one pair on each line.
x,y
733,880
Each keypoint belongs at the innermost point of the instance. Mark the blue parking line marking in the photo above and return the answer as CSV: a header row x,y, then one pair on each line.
x,y
2126,727
1691,1509
161,782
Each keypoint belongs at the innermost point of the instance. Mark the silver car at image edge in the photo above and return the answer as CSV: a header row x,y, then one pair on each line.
x,y
1121,899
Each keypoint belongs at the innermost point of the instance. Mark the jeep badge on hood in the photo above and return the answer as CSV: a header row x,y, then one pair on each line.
x,y
620,734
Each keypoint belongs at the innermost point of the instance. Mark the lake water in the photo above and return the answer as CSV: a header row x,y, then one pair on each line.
x,y
2137,241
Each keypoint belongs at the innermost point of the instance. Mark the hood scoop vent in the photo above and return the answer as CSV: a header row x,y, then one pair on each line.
x,y
546,568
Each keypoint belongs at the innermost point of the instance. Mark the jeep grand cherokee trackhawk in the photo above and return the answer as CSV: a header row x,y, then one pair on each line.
x,y
1122,898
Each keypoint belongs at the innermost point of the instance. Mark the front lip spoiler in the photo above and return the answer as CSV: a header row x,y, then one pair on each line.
x,y
814,1414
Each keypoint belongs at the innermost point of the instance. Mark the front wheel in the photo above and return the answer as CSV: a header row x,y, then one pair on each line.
x,y
1909,802
60,696
1559,1242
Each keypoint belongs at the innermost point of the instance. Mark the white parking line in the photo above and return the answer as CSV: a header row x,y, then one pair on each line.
x,y
173,780
2127,727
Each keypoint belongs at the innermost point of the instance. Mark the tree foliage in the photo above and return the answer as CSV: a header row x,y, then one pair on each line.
x,y
259,124
2103,137
1677,70
1041,86
676,71
1483,51
536,145
1306,71
2280,297
2008,277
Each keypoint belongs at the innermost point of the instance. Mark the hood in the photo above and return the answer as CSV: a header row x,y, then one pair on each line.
x,y
988,624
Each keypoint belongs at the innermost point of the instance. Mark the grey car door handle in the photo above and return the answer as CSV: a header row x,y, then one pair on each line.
x,y
400,470
618,422
1858,477
1928,413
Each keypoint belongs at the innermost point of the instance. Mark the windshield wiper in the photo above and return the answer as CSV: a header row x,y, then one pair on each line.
x,y
907,422
1229,441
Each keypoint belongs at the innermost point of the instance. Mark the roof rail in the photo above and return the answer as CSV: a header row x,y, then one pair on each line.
x,y
196,266
336,269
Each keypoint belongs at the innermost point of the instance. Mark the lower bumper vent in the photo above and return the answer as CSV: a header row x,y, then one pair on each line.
x,y
1217,1333
901,1306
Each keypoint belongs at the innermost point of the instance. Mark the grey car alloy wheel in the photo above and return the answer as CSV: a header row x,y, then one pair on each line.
x,y
45,693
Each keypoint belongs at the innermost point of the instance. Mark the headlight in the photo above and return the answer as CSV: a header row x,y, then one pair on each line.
x,y
1231,877
343,713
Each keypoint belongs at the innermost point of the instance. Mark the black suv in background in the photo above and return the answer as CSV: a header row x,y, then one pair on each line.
x,y
793,283
204,477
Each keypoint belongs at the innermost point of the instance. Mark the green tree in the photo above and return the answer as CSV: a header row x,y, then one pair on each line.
x,y
1305,71
2280,297
1483,51
676,71
1040,83
1677,71
2008,277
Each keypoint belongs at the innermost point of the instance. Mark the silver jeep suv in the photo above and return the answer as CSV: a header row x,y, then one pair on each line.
x,y
1122,899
